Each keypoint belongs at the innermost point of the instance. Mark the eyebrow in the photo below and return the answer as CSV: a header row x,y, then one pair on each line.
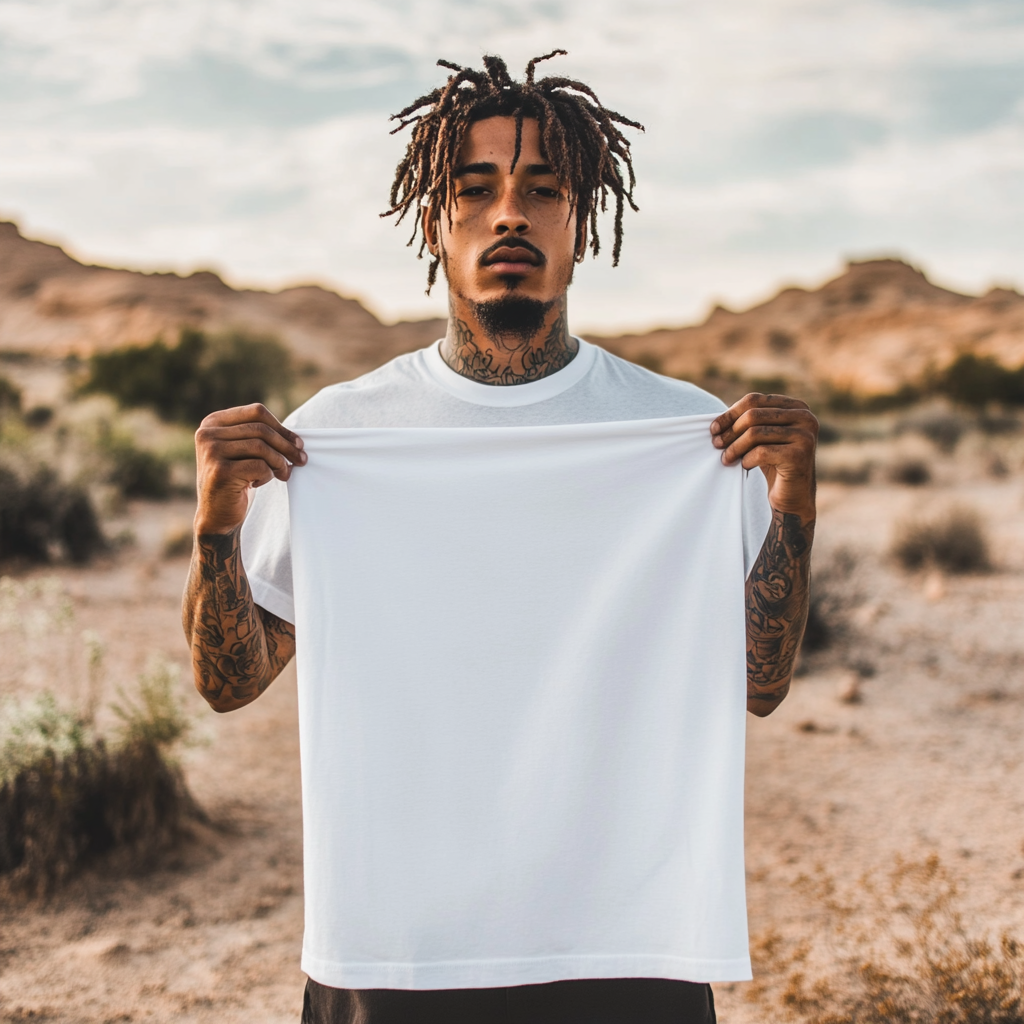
x,y
484,167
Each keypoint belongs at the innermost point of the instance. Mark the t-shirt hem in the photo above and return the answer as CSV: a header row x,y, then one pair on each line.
x,y
533,971
276,601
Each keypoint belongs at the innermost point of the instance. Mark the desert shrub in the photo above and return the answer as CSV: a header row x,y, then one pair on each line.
x,y
994,425
944,430
844,400
199,375
768,385
980,380
40,516
828,620
828,433
852,474
37,416
955,541
136,472
901,954
912,472
10,396
67,796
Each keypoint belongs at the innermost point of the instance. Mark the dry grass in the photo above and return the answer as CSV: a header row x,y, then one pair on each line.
x,y
955,541
897,954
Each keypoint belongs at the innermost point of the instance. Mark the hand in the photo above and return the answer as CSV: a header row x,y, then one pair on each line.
x,y
237,449
780,435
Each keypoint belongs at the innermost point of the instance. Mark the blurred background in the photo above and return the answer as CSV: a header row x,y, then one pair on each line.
x,y
831,204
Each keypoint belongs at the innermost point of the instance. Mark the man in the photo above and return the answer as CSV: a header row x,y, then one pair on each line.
x,y
504,179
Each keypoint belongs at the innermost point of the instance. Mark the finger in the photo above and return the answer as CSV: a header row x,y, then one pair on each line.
x,y
243,451
803,419
752,401
257,412
801,442
783,457
252,429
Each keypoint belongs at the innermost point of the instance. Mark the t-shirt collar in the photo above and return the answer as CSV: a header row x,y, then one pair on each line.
x,y
507,395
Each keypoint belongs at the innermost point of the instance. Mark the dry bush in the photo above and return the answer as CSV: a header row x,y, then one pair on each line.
x,y
42,517
955,541
136,472
896,954
911,472
828,620
943,429
68,795
851,474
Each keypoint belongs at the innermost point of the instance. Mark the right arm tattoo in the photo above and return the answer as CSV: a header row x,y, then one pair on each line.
x,y
238,648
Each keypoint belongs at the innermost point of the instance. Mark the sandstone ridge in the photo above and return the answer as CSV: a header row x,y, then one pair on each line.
x,y
879,325
51,305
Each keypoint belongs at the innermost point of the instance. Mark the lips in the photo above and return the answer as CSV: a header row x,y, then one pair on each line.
x,y
508,256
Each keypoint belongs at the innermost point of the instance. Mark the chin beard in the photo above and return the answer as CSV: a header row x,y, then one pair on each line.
x,y
512,316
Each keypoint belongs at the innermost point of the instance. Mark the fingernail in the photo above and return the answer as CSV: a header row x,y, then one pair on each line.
x,y
298,443
716,428
718,441
303,457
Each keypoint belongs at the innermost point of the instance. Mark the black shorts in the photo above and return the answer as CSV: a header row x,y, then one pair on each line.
x,y
598,1001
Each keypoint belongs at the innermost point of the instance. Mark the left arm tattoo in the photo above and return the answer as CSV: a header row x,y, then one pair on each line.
x,y
778,597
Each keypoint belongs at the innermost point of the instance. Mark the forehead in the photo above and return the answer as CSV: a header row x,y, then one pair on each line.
x,y
493,140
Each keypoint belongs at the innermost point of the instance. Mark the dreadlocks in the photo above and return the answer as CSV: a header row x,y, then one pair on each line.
x,y
579,137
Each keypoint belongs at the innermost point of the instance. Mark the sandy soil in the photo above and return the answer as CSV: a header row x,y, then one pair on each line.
x,y
929,761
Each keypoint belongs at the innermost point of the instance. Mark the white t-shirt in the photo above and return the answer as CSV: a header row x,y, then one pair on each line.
x,y
420,390
521,670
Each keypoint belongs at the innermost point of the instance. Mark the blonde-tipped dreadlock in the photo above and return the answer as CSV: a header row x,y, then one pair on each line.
x,y
579,139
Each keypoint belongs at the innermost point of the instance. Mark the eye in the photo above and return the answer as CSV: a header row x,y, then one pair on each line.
x,y
473,190
547,192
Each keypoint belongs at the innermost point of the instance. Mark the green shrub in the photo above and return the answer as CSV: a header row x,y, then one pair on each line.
x,y
40,516
199,375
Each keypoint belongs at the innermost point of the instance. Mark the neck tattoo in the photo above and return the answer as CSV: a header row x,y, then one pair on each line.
x,y
487,361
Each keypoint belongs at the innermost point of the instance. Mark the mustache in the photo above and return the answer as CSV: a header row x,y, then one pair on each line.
x,y
513,243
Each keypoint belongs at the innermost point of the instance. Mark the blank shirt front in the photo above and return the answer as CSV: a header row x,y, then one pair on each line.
x,y
521,659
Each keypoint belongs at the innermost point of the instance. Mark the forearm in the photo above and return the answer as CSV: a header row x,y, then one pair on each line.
x,y
237,647
778,598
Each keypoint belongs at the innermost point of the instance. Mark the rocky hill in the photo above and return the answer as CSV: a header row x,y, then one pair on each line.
x,y
879,325
51,305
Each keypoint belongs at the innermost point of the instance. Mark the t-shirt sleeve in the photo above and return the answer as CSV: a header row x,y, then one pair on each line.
x,y
266,550
757,516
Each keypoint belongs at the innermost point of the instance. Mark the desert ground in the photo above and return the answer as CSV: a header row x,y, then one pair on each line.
x,y
901,738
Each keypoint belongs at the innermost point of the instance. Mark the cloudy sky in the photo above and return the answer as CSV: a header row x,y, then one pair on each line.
x,y
783,136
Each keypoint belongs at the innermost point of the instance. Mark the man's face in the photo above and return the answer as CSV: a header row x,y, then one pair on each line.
x,y
510,233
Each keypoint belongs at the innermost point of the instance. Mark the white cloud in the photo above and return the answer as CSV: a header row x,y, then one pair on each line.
x,y
250,135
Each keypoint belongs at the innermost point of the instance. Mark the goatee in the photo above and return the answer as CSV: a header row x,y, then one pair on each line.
x,y
513,317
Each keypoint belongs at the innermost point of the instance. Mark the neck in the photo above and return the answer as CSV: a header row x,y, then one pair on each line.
x,y
503,360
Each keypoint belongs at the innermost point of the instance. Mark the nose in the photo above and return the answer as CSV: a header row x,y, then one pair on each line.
x,y
509,217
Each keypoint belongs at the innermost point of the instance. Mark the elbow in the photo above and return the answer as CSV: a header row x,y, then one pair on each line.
x,y
763,702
